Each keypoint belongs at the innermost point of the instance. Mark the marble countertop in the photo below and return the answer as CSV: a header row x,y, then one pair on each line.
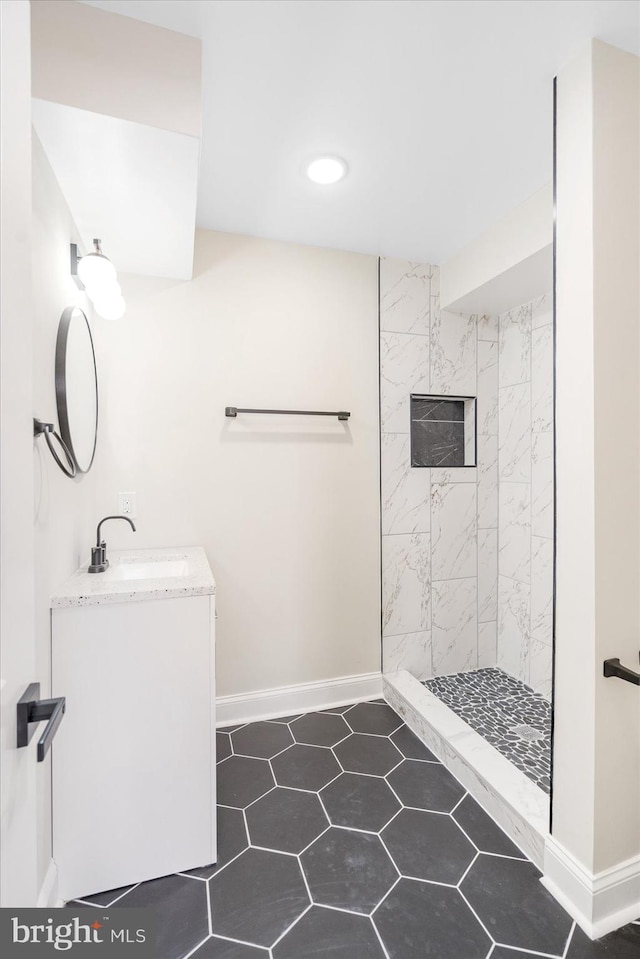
x,y
97,589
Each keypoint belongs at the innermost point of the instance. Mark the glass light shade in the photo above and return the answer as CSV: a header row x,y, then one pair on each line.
x,y
327,170
96,271
111,308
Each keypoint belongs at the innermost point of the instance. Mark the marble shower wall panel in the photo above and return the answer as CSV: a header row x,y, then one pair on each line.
x,y
487,387
410,651
453,354
514,627
487,482
405,296
405,491
487,576
453,531
406,584
454,631
404,369
525,458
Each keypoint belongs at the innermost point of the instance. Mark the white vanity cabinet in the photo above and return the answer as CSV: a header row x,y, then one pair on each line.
x,y
134,759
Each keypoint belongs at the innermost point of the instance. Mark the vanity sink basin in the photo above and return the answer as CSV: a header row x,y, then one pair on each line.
x,y
139,575
159,569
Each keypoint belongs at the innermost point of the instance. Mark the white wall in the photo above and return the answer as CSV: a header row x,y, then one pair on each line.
x,y
64,510
509,264
287,508
597,721
18,842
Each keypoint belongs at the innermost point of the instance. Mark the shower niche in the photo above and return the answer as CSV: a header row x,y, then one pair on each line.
x,y
443,431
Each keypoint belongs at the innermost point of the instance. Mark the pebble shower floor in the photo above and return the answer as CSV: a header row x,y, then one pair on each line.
x,y
342,837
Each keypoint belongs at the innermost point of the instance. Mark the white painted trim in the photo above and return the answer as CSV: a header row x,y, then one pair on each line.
x,y
48,895
286,700
599,902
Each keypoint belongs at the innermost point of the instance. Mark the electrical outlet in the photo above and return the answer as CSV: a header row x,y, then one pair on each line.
x,y
127,505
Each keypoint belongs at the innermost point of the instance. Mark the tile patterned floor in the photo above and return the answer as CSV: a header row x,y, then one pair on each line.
x,y
508,714
342,837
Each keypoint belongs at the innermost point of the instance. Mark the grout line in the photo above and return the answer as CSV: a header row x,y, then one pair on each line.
x,y
195,948
289,928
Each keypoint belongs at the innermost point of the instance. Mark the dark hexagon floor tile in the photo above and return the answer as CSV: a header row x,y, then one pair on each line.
x,y
223,747
426,786
319,729
232,839
418,919
102,898
376,718
349,870
216,948
428,845
325,933
242,780
262,740
359,802
622,944
367,754
180,908
286,820
285,719
257,897
231,729
338,710
411,747
305,767
483,831
514,905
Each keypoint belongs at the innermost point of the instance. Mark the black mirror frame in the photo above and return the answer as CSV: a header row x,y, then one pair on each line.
x,y
61,384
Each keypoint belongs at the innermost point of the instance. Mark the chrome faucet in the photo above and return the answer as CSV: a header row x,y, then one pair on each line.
x,y
99,561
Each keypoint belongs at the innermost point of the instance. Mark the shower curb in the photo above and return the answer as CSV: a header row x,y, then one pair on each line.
x,y
517,805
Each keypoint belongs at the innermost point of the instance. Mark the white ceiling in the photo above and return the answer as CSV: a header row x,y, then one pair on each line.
x,y
442,108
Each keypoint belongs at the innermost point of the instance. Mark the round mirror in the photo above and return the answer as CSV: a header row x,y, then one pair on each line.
x,y
77,387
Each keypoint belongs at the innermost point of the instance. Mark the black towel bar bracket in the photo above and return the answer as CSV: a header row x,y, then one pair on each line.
x,y
613,667
234,410
33,710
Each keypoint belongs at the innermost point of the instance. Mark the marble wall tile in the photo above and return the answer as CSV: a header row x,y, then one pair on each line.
x,y
513,627
514,339
406,588
410,651
445,476
404,369
542,379
487,649
542,311
540,666
487,575
453,354
487,387
514,544
542,484
406,506
487,327
542,588
435,280
514,432
454,633
405,293
453,531
487,481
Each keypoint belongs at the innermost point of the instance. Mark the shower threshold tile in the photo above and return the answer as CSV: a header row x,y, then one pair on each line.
x,y
506,713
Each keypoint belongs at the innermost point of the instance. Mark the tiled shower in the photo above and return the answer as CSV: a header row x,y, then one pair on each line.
x,y
467,552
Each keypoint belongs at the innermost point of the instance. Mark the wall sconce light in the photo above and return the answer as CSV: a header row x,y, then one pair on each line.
x,y
96,274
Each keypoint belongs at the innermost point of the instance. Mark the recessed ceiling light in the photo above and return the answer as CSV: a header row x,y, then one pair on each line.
x,y
327,170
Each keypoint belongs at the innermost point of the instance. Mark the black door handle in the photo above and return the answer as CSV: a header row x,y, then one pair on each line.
x,y
33,710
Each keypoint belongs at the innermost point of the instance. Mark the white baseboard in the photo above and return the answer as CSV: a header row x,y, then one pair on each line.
x,y
289,700
48,896
599,902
